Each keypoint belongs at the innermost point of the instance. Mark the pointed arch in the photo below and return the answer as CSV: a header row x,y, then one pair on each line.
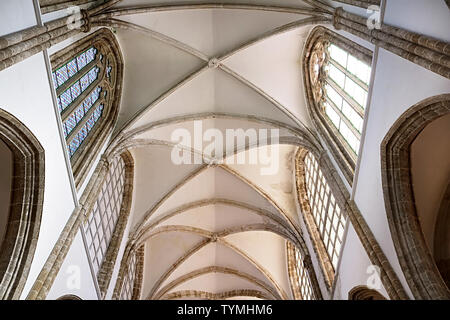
x,y
131,273
322,212
364,293
301,273
336,75
105,224
25,211
415,259
87,77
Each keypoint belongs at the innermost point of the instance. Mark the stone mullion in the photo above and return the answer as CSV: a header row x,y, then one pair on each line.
x,y
293,277
129,251
344,118
74,104
346,97
84,120
362,53
429,53
76,77
350,75
88,200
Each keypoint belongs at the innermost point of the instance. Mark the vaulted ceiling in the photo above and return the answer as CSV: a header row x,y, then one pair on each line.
x,y
212,230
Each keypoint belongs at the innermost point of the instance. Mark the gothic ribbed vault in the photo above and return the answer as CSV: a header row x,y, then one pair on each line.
x,y
212,230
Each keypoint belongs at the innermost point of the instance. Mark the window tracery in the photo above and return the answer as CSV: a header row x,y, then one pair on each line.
x,y
337,76
87,79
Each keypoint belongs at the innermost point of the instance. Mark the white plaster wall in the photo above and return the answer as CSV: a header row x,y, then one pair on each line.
x,y
25,92
16,15
355,268
116,269
398,85
75,276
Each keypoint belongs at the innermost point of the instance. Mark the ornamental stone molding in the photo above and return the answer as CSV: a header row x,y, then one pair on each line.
x,y
27,197
416,261
107,45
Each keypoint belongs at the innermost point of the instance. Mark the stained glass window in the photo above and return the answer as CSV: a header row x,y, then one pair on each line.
x,y
80,103
67,71
328,216
77,116
81,135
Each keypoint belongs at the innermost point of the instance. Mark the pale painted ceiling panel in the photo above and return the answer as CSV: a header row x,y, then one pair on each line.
x,y
280,184
161,252
269,250
151,68
274,65
213,91
213,183
154,176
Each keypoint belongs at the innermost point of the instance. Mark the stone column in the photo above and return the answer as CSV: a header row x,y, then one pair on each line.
x,y
47,276
429,53
55,5
21,45
361,3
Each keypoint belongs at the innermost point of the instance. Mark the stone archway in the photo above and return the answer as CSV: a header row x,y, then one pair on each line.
x,y
27,196
364,293
415,259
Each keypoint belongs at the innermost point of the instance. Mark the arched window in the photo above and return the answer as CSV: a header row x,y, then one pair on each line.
x,y
337,74
415,166
21,200
100,225
105,224
87,78
328,216
299,276
321,212
129,282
